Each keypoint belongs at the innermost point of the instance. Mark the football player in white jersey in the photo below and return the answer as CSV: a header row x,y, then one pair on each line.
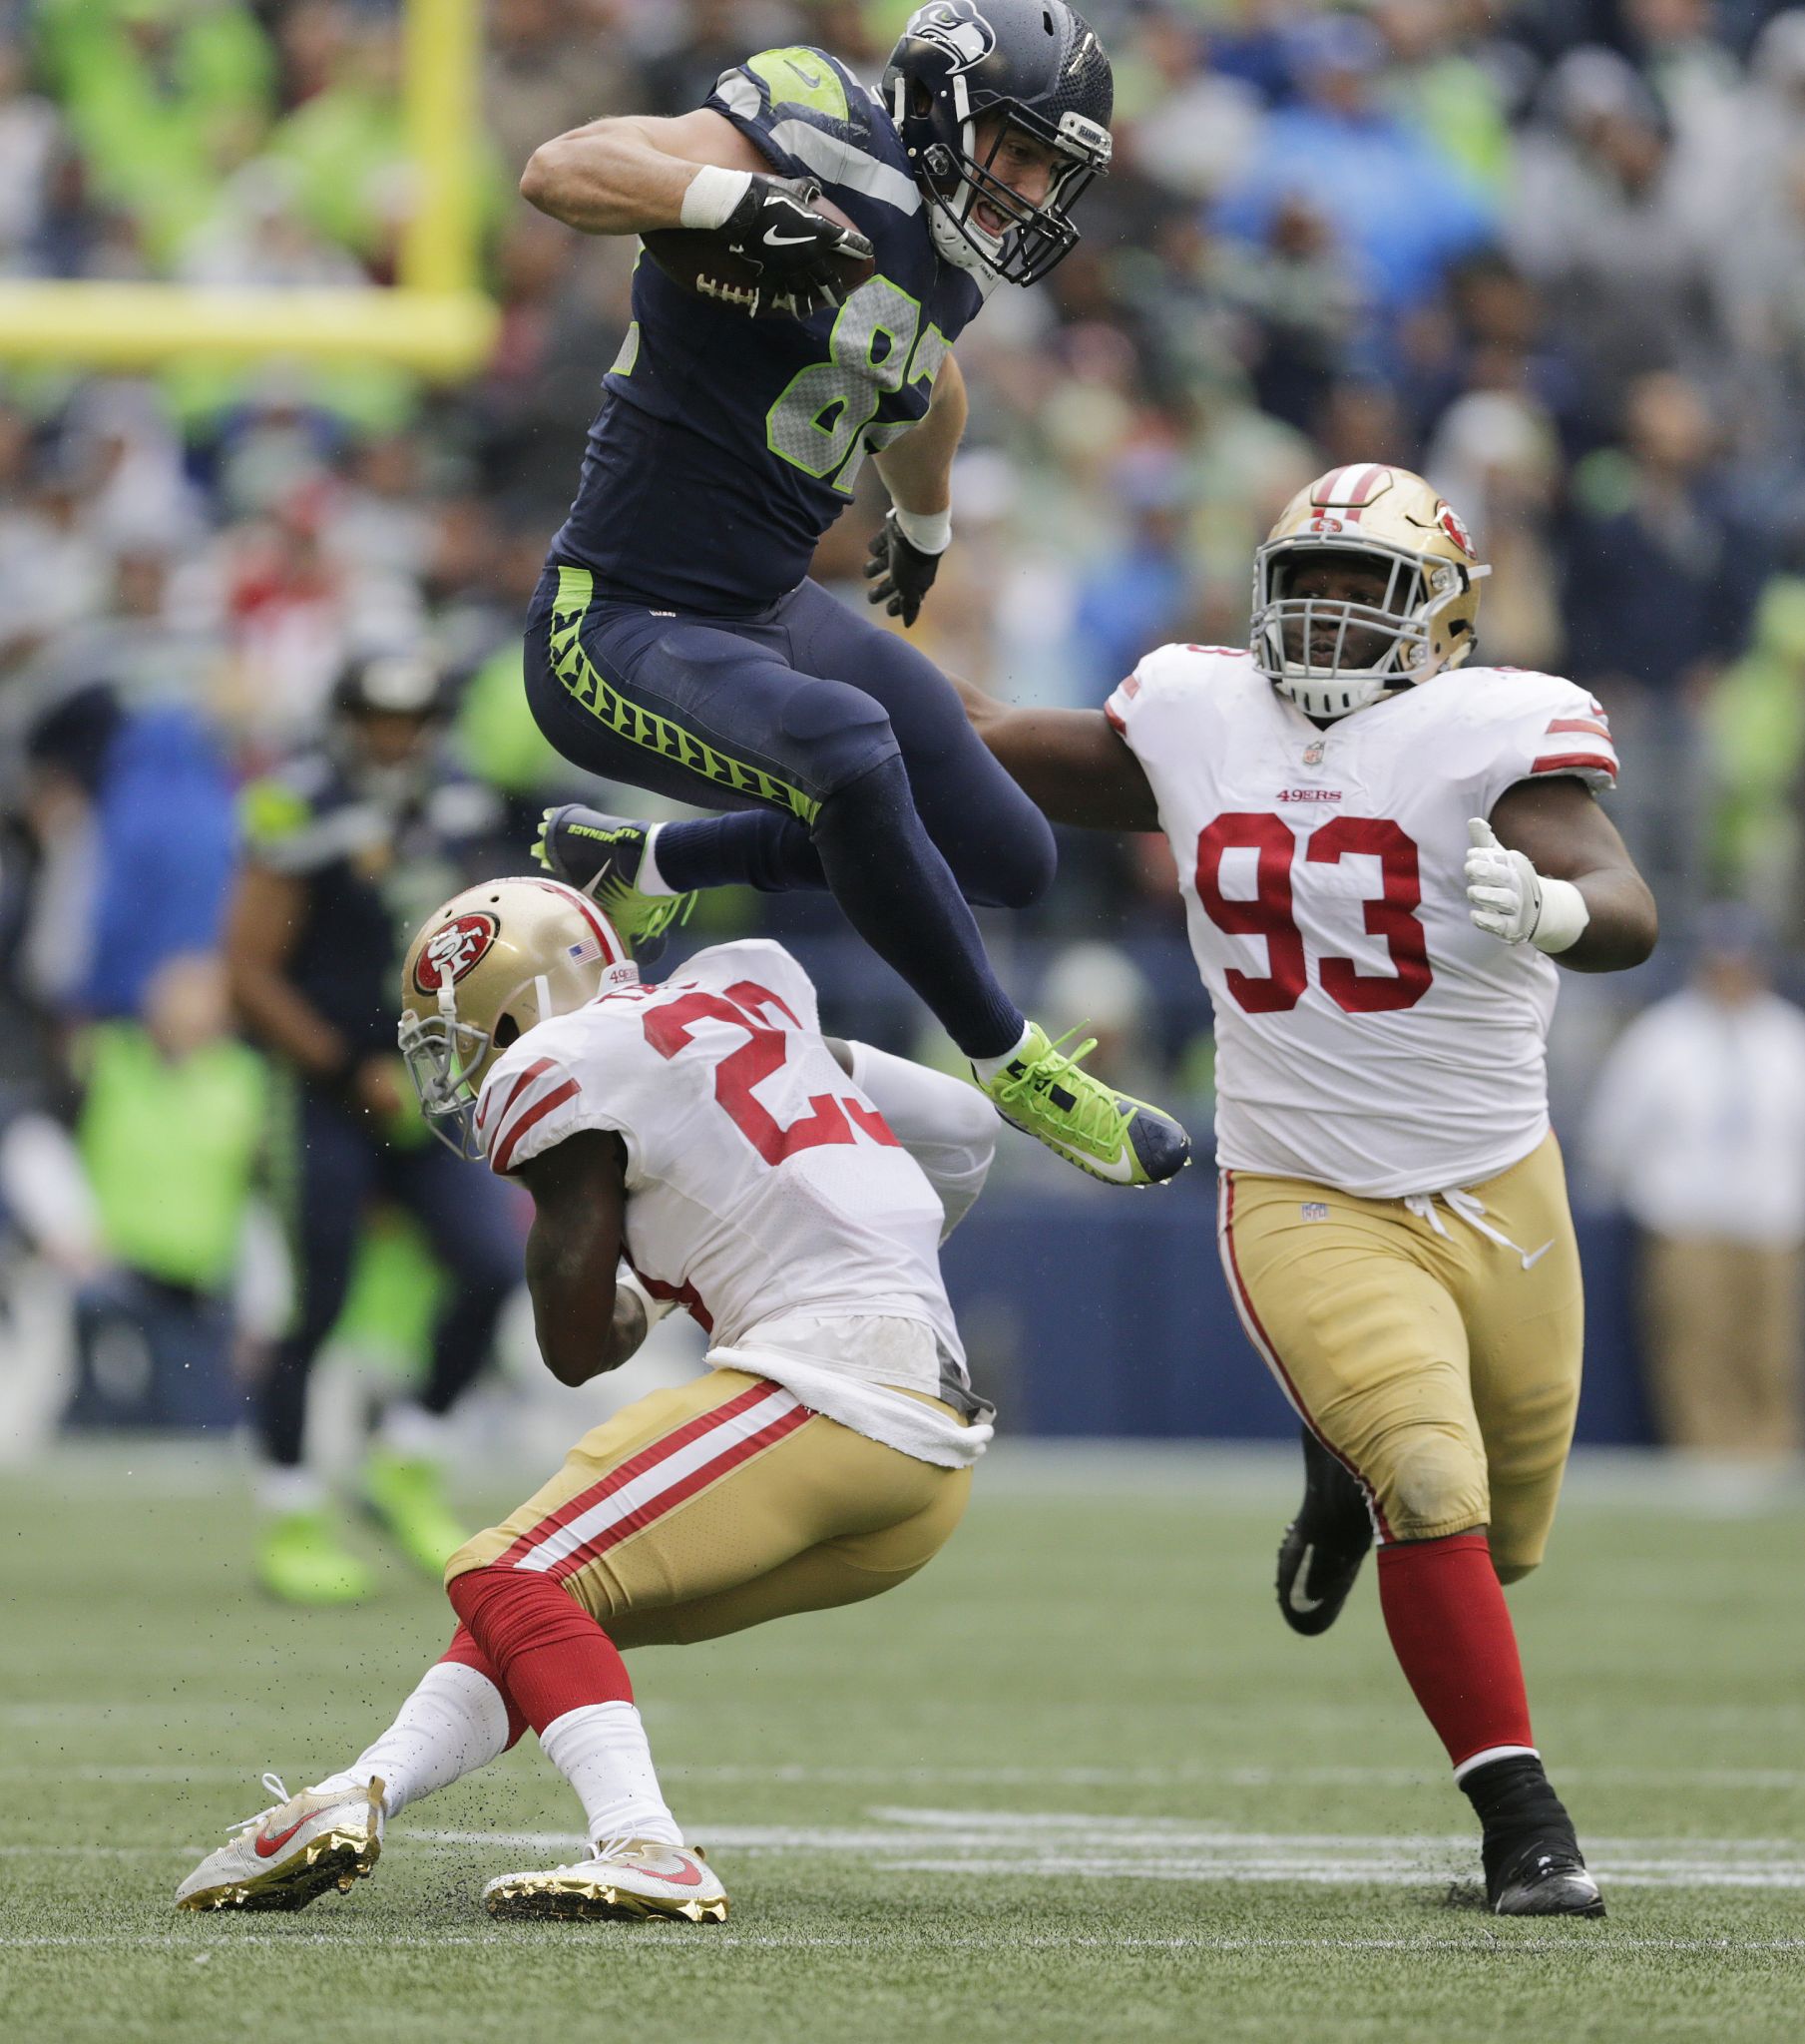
x,y
1382,849
697,1143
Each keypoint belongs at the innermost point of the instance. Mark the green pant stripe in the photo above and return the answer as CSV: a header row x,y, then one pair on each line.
x,y
588,686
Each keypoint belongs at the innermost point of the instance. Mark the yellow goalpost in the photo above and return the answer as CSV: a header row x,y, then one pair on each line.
x,y
435,320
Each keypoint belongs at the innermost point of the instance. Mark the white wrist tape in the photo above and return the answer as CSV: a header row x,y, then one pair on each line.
x,y
712,194
928,532
1563,917
627,1280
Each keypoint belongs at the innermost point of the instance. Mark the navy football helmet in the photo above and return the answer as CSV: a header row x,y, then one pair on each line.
x,y
1040,66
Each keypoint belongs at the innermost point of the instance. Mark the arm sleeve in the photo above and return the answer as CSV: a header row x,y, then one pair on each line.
x,y
948,1127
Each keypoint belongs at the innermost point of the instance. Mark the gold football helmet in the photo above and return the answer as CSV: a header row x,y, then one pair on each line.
x,y
1332,654
494,962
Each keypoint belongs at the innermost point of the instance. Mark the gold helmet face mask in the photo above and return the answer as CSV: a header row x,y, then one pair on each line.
x,y
1333,655
494,962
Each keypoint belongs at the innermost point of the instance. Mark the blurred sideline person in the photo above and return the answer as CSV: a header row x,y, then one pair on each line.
x,y
1698,1126
676,640
345,848
699,1142
175,1085
1382,851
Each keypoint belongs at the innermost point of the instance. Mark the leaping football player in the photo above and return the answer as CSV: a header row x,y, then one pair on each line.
x,y
791,1192
1383,852
676,642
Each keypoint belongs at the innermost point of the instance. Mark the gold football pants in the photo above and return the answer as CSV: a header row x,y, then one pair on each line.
x,y
1440,1364
719,1504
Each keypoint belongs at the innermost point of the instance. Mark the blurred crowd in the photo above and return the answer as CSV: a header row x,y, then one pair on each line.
x,y
1552,252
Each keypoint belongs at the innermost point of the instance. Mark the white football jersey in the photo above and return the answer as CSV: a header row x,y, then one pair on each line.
x,y
1368,1035
760,1181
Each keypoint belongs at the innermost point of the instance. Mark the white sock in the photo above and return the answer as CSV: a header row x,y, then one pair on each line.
x,y
409,1429
988,1068
600,1750
649,880
453,1724
281,1490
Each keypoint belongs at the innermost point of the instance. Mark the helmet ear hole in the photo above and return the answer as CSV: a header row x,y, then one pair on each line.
x,y
507,1031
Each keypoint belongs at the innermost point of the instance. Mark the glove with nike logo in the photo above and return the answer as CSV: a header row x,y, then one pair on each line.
x,y
907,566
1509,899
777,226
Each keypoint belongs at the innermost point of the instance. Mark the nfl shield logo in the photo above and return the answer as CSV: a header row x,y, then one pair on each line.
x,y
1314,753
1314,1210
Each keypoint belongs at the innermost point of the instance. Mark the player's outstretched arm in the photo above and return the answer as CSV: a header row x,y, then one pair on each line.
x,y
585,1324
1549,870
1071,762
946,1125
632,173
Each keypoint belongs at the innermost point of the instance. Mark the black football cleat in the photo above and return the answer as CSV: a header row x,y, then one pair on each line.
x,y
1545,1877
1323,1547
601,856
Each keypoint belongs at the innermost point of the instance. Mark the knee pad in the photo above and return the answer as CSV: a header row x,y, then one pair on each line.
x,y
836,735
1430,1483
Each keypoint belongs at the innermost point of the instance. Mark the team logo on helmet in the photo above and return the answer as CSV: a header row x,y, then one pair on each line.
x,y
956,27
1455,526
1326,521
452,950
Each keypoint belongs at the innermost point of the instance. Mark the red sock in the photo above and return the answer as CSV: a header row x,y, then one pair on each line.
x,y
551,1654
464,1649
1453,1637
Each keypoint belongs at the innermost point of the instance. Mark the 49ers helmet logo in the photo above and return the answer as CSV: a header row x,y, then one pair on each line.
x,y
452,950
1455,526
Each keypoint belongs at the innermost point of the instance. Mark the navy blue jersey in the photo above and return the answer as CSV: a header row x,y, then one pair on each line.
x,y
373,868
726,446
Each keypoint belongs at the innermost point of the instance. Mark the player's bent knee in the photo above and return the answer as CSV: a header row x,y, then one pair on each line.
x,y
836,735
1432,1484
1513,1571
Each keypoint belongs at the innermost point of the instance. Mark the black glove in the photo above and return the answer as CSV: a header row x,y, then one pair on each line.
x,y
908,574
777,228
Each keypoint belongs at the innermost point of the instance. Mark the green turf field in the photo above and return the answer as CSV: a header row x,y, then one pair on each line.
x,y
1075,1782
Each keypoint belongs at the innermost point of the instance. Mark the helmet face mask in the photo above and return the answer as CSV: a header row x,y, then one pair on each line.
x,y
443,1055
1036,69
1392,600
491,965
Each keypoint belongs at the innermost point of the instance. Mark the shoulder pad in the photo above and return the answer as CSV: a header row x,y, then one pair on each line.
x,y
799,78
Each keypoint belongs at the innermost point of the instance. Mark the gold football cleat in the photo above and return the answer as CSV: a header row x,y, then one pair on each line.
x,y
622,1879
293,1852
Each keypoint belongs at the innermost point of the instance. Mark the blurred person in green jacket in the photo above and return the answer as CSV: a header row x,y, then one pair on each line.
x,y
169,1132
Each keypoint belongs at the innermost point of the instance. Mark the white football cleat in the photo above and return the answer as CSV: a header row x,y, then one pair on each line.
x,y
621,1877
288,1854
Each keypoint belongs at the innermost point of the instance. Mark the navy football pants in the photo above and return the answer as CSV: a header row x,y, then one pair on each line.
x,y
842,753
472,1224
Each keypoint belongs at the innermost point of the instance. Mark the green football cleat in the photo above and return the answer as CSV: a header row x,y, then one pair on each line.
x,y
301,1559
1121,1140
599,855
406,1497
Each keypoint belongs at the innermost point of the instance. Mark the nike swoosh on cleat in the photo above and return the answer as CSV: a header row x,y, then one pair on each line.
x,y
690,1878
1296,1597
268,1843
1535,1255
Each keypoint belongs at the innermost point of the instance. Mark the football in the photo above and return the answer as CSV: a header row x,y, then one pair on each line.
x,y
700,260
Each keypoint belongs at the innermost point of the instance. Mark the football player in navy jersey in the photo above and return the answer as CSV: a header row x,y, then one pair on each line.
x,y
675,640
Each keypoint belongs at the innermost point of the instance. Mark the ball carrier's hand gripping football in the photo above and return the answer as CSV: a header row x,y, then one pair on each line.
x,y
764,247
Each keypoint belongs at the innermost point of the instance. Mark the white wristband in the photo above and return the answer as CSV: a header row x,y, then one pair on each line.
x,y
712,194
928,532
1563,917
